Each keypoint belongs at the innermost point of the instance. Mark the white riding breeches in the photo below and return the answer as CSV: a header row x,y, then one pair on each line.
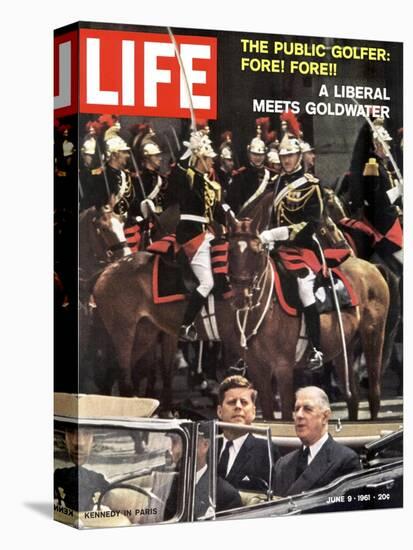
x,y
306,288
201,266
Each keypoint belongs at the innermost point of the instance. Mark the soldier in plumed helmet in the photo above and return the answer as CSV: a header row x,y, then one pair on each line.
x,y
199,199
250,181
298,207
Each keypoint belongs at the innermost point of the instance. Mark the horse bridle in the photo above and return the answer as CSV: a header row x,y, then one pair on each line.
x,y
256,275
258,282
109,251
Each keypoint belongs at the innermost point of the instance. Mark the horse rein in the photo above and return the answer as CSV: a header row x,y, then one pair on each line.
x,y
259,282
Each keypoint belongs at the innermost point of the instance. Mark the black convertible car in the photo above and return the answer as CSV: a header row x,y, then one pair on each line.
x,y
148,470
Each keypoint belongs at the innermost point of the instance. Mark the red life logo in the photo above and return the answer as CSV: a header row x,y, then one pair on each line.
x,y
134,73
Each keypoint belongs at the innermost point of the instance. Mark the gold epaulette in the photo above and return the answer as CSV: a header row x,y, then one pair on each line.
x,y
371,168
311,178
295,229
190,173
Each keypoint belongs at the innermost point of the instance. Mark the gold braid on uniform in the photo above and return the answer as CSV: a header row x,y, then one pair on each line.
x,y
294,201
124,200
212,195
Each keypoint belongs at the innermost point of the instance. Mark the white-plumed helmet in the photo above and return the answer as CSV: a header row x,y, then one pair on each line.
x,y
199,145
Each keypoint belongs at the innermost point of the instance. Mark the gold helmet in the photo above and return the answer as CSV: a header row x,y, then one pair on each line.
x,y
292,134
225,149
257,145
116,144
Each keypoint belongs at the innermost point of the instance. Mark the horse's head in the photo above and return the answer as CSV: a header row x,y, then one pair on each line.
x,y
333,206
109,227
247,258
330,235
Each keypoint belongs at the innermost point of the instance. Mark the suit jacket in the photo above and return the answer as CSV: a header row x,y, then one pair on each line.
x,y
227,497
332,461
78,487
250,471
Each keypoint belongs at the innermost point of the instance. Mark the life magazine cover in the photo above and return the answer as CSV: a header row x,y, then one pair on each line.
x,y
228,258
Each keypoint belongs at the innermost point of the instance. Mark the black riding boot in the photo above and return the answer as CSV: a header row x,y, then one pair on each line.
x,y
187,331
312,321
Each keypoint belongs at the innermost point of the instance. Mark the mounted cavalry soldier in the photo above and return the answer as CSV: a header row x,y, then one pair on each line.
x,y
376,190
251,181
298,207
199,201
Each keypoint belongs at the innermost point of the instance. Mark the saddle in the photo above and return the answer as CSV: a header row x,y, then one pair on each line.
x,y
172,276
286,290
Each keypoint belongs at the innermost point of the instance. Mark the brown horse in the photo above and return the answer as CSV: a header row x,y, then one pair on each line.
x,y
101,241
252,326
271,352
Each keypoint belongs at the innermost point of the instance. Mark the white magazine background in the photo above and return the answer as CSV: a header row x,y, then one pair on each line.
x,y
26,267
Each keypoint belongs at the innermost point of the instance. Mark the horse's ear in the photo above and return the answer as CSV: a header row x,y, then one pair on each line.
x,y
231,220
255,222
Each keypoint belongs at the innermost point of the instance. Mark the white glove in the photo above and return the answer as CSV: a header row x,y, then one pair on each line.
x,y
147,207
276,234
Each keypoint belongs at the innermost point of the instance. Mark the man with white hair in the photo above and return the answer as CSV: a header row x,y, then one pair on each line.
x,y
319,460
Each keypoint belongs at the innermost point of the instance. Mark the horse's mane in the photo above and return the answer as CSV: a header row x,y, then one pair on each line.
x,y
260,208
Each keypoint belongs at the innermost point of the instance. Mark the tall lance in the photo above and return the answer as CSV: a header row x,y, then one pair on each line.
x,y
188,89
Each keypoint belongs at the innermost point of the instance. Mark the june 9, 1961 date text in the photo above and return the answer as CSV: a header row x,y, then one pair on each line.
x,y
358,498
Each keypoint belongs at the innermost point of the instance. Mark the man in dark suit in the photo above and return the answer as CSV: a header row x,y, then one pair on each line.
x,y
243,459
320,459
227,497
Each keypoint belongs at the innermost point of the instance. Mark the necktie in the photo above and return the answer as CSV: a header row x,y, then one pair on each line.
x,y
223,461
302,462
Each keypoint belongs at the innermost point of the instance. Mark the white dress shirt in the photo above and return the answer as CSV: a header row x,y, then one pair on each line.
x,y
316,447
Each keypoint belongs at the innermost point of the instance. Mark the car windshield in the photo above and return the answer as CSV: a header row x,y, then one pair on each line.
x,y
233,468
118,475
